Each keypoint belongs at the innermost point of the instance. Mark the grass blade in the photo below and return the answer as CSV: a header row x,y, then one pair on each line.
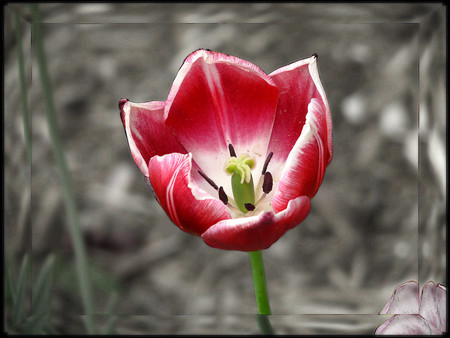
x,y
84,282
18,311
23,86
110,324
9,286
41,289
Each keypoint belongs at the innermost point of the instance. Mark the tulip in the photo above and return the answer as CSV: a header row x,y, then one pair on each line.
x,y
234,155
415,313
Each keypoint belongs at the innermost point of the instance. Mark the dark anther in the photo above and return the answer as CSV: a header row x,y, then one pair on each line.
x,y
231,149
223,196
249,206
268,183
207,179
268,158
316,55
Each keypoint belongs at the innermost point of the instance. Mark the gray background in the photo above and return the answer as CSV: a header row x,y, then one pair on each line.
x,y
377,220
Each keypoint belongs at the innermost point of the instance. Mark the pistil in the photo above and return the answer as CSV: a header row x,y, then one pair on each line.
x,y
241,180
242,185
243,192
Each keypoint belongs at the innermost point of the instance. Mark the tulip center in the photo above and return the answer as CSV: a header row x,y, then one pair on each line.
x,y
242,185
242,181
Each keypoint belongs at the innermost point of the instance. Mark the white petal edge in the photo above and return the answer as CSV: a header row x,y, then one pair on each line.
x,y
143,166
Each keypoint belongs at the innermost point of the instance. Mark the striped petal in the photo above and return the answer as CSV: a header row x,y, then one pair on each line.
x,y
146,133
433,305
404,300
188,206
407,325
256,232
305,166
298,84
215,100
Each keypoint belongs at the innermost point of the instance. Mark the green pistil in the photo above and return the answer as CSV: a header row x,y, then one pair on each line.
x,y
243,192
242,165
242,180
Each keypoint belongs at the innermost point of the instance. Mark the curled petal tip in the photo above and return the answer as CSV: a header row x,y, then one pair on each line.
x,y
122,102
200,49
315,55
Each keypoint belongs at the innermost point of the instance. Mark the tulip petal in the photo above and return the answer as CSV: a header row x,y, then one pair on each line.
x,y
433,305
256,232
305,166
146,133
404,300
406,325
188,206
216,100
298,84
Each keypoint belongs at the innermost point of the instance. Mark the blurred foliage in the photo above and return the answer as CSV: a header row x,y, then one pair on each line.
x,y
102,281
25,314
28,301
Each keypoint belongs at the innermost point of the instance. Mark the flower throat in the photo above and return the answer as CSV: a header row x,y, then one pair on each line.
x,y
242,181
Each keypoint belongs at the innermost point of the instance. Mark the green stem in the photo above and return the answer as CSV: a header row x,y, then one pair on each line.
x,y
73,217
259,281
264,324
262,300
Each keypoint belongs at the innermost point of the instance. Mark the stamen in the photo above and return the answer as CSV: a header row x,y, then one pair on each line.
x,y
268,158
268,183
223,196
249,206
207,179
231,149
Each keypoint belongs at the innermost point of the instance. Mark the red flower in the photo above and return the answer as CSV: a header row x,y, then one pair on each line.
x,y
276,129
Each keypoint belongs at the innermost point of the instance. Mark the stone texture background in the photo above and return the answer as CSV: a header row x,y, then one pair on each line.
x,y
378,219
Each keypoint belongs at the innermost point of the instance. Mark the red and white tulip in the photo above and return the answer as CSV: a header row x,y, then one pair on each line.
x,y
276,126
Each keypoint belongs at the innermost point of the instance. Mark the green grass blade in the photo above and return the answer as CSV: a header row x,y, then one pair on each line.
x,y
84,282
9,286
23,86
111,323
34,324
41,289
18,311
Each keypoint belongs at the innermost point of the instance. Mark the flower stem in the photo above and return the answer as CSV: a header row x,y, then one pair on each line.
x,y
262,300
259,281
264,324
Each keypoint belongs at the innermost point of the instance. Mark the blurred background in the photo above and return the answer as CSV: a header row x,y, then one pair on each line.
x,y
377,221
